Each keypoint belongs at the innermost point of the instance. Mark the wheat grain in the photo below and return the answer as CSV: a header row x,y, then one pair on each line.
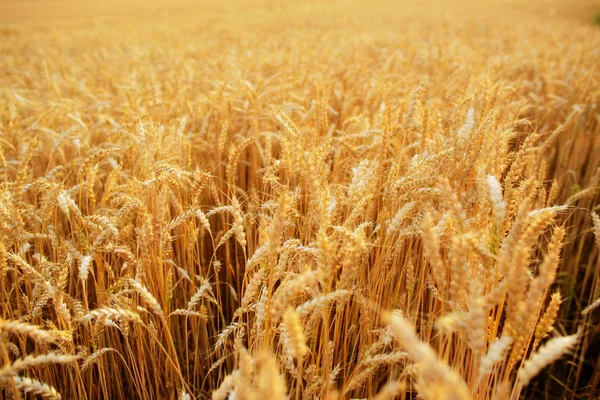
x,y
547,354
35,387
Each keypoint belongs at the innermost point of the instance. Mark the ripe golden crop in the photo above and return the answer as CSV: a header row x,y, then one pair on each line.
x,y
302,199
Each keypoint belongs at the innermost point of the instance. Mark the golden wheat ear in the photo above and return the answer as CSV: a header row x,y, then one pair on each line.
x,y
547,354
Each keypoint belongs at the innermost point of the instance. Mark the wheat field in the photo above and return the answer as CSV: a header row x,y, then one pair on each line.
x,y
299,200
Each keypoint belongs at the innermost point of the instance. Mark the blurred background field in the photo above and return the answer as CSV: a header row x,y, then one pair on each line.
x,y
54,11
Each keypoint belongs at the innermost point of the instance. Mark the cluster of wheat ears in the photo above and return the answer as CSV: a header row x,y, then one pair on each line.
x,y
300,201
